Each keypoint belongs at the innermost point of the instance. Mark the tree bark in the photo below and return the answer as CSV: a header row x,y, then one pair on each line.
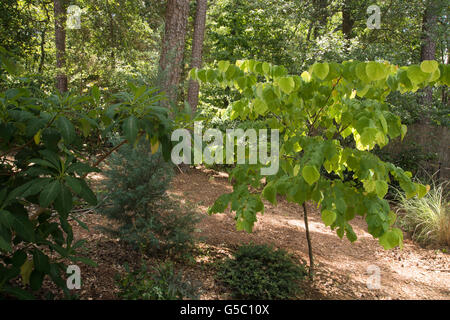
x,y
308,239
347,19
428,47
172,52
59,7
197,50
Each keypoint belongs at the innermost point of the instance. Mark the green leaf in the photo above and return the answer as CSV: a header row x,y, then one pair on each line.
x,y
310,174
18,293
66,129
22,226
429,66
403,130
49,194
416,75
349,233
391,239
241,83
36,280
211,75
63,202
376,70
421,190
4,243
223,65
36,186
381,188
368,136
361,73
130,129
74,184
81,223
260,106
286,84
270,193
320,70
84,260
220,204
41,261
266,68
95,91
193,74
19,258
87,194
328,217
369,185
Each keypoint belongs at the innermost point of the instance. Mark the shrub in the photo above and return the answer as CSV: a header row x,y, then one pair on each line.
x,y
149,220
135,179
427,218
156,283
43,140
261,272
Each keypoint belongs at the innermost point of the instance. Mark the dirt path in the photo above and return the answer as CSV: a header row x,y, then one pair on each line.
x,y
343,268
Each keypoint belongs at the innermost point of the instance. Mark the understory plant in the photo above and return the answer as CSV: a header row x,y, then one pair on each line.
x,y
137,180
261,272
43,139
160,282
427,218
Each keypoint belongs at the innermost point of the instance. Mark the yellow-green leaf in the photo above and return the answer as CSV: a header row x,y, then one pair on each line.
x,y
25,271
310,174
286,84
154,146
328,217
37,137
320,70
429,66
381,188
376,70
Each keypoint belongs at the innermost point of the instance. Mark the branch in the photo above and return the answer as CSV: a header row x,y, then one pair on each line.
x,y
324,105
102,158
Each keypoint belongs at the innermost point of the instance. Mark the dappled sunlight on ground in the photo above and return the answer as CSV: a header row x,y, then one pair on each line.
x,y
341,266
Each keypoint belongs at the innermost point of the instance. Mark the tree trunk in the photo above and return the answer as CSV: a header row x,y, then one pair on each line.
x,y
308,240
321,16
428,47
197,49
347,20
59,7
172,52
42,45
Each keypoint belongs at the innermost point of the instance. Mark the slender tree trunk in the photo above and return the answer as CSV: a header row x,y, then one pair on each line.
x,y
321,16
112,36
42,58
428,48
59,7
308,239
173,45
197,50
43,34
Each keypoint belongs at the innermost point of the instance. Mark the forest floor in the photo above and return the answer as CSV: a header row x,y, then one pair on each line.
x,y
342,268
